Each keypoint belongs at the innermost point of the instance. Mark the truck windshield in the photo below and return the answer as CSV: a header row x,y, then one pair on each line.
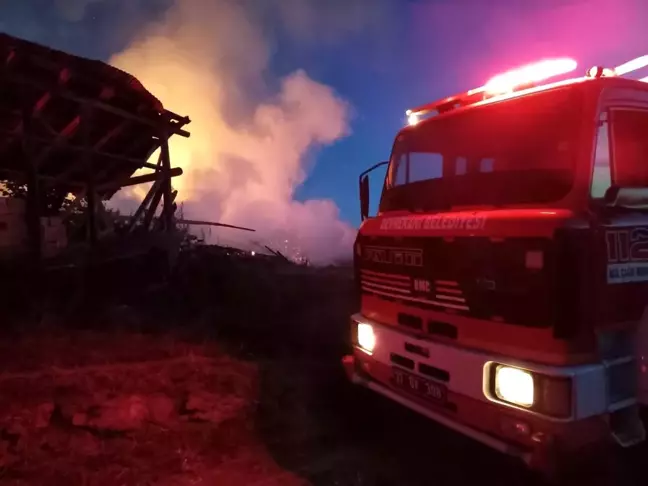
x,y
520,151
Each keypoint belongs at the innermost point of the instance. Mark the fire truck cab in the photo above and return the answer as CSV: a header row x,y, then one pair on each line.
x,y
504,280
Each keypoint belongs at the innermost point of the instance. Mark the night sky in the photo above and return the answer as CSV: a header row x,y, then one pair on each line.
x,y
381,56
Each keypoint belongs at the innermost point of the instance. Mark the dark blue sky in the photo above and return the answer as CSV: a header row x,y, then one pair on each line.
x,y
410,53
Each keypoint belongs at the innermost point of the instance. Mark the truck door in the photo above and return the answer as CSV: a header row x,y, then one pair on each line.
x,y
621,160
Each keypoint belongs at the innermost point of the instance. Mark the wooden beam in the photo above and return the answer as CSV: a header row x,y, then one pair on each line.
x,y
143,206
63,137
88,162
210,223
111,134
106,186
162,222
64,77
140,179
32,213
60,140
98,105
103,141
150,213
136,163
167,207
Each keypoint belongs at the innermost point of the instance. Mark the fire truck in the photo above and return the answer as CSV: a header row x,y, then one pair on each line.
x,y
504,279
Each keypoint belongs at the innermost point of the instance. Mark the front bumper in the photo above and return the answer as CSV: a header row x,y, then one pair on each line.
x,y
358,377
543,450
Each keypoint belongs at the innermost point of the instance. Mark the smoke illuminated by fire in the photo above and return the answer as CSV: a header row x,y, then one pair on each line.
x,y
243,160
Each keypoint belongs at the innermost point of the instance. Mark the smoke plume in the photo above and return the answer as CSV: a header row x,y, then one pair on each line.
x,y
245,157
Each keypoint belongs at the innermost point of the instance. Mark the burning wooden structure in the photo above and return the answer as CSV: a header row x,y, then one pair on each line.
x,y
70,125
73,125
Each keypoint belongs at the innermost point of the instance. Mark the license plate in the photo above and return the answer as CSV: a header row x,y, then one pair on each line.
x,y
430,390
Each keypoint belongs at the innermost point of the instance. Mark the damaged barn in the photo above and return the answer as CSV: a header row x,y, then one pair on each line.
x,y
73,132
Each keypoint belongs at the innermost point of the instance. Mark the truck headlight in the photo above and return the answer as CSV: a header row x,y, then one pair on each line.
x,y
544,394
514,385
366,337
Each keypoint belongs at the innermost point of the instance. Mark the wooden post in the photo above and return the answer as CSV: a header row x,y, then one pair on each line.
x,y
91,192
32,213
150,212
32,221
167,208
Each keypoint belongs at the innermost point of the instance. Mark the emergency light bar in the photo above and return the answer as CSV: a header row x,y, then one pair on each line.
x,y
521,78
620,70
503,83
528,75
633,65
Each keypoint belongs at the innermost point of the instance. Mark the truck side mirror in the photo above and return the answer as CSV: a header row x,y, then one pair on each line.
x,y
364,197
364,189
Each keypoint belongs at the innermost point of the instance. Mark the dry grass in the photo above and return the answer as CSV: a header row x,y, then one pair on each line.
x,y
87,370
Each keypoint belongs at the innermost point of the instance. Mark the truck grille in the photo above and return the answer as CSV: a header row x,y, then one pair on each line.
x,y
385,283
476,276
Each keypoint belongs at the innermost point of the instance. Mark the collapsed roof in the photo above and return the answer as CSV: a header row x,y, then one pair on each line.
x,y
59,113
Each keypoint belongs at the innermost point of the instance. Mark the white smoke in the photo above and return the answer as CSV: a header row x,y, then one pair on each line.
x,y
244,159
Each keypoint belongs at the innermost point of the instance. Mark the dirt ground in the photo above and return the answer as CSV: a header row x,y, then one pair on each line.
x,y
228,381
132,409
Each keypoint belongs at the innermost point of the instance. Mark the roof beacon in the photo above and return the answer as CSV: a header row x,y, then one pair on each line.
x,y
630,66
412,118
600,72
625,68
523,77
528,75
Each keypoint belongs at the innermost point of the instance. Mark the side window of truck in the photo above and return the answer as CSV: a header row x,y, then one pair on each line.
x,y
630,147
400,172
602,174
397,171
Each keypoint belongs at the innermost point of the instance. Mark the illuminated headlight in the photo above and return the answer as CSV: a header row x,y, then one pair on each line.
x,y
366,337
544,394
514,385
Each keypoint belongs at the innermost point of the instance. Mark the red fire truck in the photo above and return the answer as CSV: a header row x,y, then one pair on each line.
x,y
504,279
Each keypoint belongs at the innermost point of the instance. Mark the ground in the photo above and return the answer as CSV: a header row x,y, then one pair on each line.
x,y
232,378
